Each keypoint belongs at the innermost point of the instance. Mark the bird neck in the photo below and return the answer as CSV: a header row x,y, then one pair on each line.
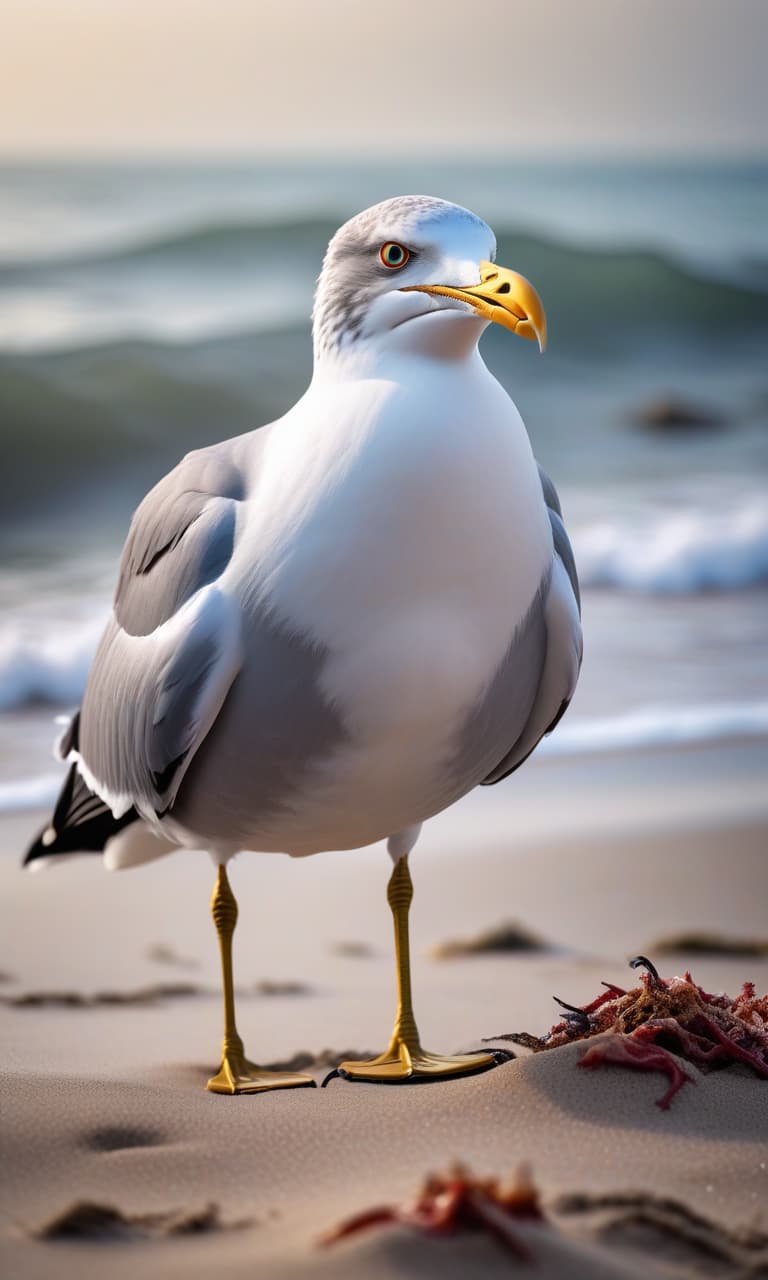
x,y
365,361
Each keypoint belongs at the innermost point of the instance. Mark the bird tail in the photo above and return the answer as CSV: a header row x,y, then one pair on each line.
x,y
81,823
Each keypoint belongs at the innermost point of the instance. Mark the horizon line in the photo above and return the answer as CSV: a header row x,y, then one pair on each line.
x,y
549,154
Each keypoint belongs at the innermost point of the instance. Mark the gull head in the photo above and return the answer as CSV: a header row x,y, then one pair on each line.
x,y
418,275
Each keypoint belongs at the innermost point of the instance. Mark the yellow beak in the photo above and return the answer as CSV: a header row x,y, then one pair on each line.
x,y
502,296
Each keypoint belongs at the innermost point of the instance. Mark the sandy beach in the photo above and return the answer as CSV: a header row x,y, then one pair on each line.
x,y
110,1026
320,632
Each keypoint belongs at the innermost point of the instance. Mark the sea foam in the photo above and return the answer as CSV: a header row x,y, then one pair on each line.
x,y
47,665
656,727
685,554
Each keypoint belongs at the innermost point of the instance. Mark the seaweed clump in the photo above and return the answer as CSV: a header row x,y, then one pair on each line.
x,y
456,1201
652,1026
89,1220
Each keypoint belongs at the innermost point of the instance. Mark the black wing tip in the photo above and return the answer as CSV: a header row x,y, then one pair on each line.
x,y
40,847
48,843
85,837
81,823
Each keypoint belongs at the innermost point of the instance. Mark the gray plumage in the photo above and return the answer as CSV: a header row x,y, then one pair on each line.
x,y
560,537
544,656
195,502
173,739
150,701
277,710
153,694
502,714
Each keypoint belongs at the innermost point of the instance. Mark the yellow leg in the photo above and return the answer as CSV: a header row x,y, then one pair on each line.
x,y
404,1058
237,1074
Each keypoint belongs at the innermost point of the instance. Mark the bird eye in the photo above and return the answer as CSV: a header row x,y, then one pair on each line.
x,y
394,255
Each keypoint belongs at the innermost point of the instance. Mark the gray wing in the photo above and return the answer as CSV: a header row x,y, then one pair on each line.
x,y
180,539
562,623
172,647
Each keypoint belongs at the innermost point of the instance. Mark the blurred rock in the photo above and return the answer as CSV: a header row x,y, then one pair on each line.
x,y
268,987
671,414
352,949
161,953
697,942
505,937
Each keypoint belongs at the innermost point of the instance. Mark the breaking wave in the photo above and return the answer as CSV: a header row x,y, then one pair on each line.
x,y
22,794
47,669
653,727
684,554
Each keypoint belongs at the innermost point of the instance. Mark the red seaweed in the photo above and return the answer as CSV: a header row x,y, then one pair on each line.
x,y
652,1026
623,1051
456,1201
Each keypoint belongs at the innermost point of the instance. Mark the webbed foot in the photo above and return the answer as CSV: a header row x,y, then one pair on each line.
x,y
402,1063
238,1075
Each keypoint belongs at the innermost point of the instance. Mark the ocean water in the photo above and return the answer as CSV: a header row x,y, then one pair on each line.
x,y
149,309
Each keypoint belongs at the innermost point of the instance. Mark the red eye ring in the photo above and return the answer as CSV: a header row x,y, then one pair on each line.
x,y
394,255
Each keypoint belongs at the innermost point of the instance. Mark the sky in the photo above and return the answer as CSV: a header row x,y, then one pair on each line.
x,y
154,76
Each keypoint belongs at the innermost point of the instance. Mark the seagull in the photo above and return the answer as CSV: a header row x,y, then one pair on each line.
x,y
331,628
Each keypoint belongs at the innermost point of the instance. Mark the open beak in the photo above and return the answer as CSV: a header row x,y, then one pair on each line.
x,y
502,296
